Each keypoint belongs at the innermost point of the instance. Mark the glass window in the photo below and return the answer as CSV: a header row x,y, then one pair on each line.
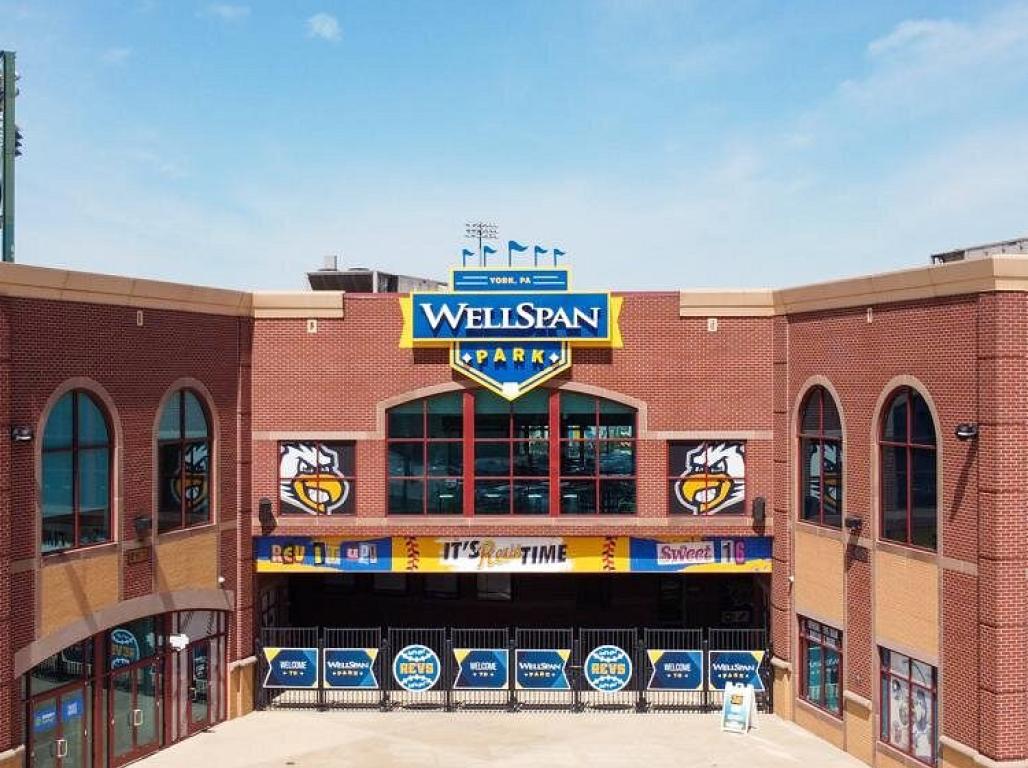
x,y
707,478
183,464
907,464
135,641
821,652
425,450
820,459
597,456
512,454
75,487
908,706
520,460
317,478
73,663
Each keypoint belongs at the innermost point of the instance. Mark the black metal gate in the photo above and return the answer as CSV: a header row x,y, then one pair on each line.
x,y
545,669
271,694
353,667
675,670
610,671
418,679
473,668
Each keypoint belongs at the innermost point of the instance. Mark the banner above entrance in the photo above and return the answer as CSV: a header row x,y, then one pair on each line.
x,y
510,329
512,554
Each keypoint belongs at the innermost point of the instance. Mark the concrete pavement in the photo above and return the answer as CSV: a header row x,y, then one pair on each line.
x,y
472,739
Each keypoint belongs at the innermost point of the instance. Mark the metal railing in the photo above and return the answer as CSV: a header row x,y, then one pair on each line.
x,y
462,668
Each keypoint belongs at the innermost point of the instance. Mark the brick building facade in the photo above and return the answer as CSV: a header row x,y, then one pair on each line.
x,y
938,622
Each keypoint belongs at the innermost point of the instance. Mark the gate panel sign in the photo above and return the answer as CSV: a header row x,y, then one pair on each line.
x,y
542,669
510,329
351,668
291,668
675,670
741,667
481,669
608,669
513,554
416,668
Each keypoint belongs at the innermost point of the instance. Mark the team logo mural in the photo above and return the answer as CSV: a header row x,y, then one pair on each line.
x,y
711,477
190,480
311,477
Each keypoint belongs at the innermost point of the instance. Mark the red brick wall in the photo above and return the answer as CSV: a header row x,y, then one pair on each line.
x,y
689,378
45,343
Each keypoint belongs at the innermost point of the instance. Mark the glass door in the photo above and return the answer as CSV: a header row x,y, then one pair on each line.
x,y
135,711
60,730
199,688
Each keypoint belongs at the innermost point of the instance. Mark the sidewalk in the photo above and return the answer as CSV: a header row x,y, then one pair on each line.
x,y
469,740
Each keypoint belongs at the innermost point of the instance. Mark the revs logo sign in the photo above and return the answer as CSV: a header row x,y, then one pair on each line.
x,y
510,329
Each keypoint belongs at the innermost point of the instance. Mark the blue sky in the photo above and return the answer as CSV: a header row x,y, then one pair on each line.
x,y
661,144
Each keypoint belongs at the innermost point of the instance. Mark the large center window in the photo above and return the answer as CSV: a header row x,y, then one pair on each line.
x,y
546,453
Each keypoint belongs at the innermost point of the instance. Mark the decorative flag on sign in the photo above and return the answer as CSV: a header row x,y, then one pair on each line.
x,y
513,246
556,252
464,254
487,250
537,252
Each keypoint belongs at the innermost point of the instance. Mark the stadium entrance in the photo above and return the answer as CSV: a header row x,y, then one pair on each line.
x,y
511,622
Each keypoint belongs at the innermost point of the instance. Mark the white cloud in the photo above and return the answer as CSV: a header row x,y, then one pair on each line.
x,y
116,55
227,11
325,26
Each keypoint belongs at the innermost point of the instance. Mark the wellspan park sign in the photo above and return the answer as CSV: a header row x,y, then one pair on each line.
x,y
510,329
512,554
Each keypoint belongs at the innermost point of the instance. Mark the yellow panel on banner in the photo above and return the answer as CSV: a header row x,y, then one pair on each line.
x,y
511,554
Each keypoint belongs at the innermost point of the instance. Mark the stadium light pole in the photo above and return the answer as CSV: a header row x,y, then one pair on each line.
x,y
10,149
480,230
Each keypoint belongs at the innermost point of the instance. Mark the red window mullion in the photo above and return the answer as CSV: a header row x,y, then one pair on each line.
x,y
468,450
510,458
554,423
75,469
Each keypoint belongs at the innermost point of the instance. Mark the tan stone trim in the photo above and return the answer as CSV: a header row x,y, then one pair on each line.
x,y
274,436
11,753
298,305
812,529
29,282
917,655
753,435
240,663
979,759
827,718
958,566
910,553
800,611
759,302
676,526
996,273
119,613
857,699
782,664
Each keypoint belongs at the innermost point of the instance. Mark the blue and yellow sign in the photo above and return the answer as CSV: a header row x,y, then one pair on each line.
x,y
416,668
351,668
541,669
291,668
481,669
608,668
675,670
510,329
740,667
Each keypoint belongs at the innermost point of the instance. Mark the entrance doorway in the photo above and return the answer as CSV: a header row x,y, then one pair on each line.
x,y
134,709
199,661
59,727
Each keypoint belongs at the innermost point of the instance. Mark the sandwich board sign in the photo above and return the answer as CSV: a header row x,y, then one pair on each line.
x,y
739,710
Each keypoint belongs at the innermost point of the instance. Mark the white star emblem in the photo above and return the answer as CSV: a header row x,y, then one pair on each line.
x,y
554,357
467,357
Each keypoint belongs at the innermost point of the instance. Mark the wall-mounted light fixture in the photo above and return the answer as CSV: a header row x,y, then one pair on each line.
x,y
265,515
759,509
142,524
853,524
966,431
21,434
264,506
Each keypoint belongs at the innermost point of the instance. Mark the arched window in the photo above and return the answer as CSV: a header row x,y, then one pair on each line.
x,y
820,459
183,463
76,474
907,456
546,453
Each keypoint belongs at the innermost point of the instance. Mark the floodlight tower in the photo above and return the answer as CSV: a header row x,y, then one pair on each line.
x,y
480,230
10,148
